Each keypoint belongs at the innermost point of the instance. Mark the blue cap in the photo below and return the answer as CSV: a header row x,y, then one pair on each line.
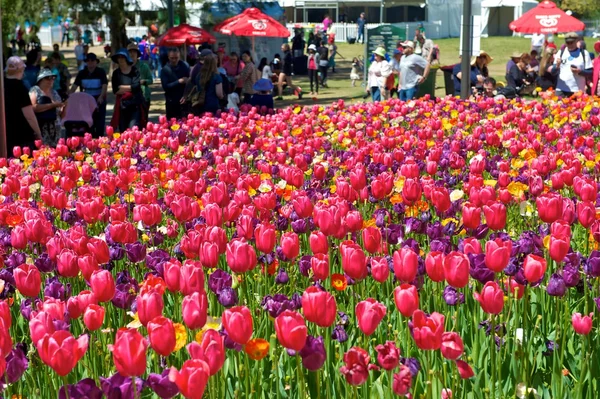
x,y
397,51
121,53
263,85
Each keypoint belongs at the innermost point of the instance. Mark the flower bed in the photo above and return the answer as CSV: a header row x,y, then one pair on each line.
x,y
433,249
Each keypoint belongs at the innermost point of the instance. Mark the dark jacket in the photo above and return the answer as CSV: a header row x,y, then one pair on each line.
x,y
169,78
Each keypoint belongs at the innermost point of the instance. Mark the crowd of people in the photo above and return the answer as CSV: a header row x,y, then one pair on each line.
x,y
566,70
402,74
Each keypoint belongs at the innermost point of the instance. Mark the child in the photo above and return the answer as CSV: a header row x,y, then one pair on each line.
x,y
313,67
263,96
355,73
233,102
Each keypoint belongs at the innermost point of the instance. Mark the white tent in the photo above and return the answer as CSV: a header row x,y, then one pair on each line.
x,y
496,15
447,14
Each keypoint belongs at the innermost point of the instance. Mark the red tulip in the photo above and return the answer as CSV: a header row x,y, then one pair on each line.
x,y
192,277
464,370
318,243
440,199
471,245
411,191
209,254
149,214
28,280
66,263
354,221
497,254
354,260
380,269
534,268
213,350
103,285
549,207
290,245
5,314
319,307
61,351
388,355
406,262
129,352
582,325
291,330
122,232
452,345
358,177
371,239
491,298
559,247
434,265
428,330
406,297
302,206
369,314
93,317
402,381
194,309
237,321
39,325
456,269
586,213
241,256
356,366
6,340
87,264
192,378
172,274
265,238
161,333
495,215
149,305
320,266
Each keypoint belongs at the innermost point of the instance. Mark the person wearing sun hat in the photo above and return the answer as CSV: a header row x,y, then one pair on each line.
x,y
145,73
129,105
47,105
413,71
22,128
514,58
573,66
596,72
93,81
262,96
379,71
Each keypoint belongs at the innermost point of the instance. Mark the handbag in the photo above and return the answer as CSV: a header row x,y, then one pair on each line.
x,y
198,97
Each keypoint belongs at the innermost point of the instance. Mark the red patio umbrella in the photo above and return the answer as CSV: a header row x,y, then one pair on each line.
x,y
252,22
185,34
546,18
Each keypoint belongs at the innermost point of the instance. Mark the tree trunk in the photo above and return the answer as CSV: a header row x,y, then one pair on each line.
x,y
182,12
118,35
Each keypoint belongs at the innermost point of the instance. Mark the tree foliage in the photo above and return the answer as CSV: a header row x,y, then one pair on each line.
x,y
581,8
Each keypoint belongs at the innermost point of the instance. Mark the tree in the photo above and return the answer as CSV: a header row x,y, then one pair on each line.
x,y
115,11
582,8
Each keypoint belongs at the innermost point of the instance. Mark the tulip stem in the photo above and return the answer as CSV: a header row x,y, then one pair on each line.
x,y
493,356
582,366
134,383
66,386
301,393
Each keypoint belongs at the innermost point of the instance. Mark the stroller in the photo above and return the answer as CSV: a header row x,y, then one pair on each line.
x,y
79,115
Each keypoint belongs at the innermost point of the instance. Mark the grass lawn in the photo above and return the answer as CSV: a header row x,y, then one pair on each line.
x,y
339,83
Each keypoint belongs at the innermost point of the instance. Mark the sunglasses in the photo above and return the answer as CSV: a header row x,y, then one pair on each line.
x,y
50,77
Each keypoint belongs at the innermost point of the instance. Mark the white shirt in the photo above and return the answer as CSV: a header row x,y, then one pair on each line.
x,y
537,39
266,72
78,52
567,81
383,69
233,100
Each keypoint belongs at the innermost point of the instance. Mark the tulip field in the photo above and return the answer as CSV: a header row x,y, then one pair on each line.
x,y
428,249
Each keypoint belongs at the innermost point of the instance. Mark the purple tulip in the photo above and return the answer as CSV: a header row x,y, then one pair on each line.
x,y
124,296
227,297
27,307
413,365
162,386
478,270
282,276
592,266
452,296
16,364
116,252
313,354
571,276
44,263
119,387
84,389
339,334
299,226
229,343
136,252
304,265
55,289
556,285
219,280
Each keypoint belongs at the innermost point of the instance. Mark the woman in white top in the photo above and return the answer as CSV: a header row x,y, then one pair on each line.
x,y
379,71
265,69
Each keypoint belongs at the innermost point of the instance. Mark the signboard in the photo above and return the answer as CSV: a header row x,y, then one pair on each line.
x,y
386,36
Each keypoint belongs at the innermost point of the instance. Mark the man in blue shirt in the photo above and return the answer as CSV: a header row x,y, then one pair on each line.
x,y
93,81
361,28
173,76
